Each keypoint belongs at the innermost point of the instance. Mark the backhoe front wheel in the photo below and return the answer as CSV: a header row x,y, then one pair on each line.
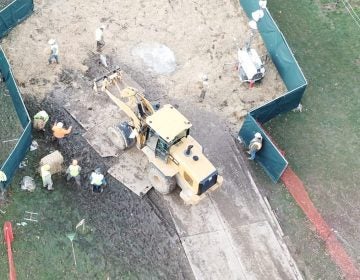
x,y
159,181
117,137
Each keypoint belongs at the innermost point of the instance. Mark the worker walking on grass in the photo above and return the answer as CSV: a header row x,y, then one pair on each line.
x,y
73,171
46,177
255,145
97,181
59,132
99,37
40,120
54,51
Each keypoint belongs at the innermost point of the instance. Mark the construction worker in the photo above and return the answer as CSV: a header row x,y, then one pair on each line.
x,y
3,179
99,37
54,51
255,145
40,120
97,181
73,171
46,177
59,132
203,86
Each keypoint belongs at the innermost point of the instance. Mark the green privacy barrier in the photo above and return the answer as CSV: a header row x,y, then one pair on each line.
x,y
273,162
9,17
281,55
13,14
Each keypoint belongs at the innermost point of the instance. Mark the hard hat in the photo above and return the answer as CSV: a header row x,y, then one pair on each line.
x,y
98,170
74,162
252,24
51,42
258,135
102,27
60,124
204,77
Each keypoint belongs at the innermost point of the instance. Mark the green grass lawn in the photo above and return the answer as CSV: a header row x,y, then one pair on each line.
x,y
321,143
10,126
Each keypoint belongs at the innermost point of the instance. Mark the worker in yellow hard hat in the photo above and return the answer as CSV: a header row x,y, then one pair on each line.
x,y
73,171
255,145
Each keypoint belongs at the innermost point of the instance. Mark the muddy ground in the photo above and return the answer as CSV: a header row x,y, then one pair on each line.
x,y
131,234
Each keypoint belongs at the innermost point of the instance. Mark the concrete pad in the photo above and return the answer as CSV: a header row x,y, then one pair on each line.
x,y
261,252
130,171
88,110
193,220
208,264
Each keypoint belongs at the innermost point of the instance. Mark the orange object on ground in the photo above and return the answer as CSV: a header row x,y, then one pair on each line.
x,y
337,252
9,237
60,132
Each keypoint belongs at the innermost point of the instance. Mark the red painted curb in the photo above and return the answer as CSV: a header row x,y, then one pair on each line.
x,y
337,252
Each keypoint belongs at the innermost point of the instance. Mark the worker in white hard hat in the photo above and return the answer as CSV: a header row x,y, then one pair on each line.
x,y
40,120
59,131
97,181
3,179
99,37
255,145
73,172
46,177
54,51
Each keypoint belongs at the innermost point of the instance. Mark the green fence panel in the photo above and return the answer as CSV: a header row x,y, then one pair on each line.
x,y
269,157
13,14
281,55
17,154
279,105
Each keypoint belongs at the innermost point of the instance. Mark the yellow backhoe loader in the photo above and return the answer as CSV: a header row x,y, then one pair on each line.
x,y
175,158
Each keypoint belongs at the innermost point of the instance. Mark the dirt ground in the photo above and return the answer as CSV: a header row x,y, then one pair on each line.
x,y
200,33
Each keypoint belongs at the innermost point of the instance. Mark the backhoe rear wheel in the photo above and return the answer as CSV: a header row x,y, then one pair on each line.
x,y
159,181
117,137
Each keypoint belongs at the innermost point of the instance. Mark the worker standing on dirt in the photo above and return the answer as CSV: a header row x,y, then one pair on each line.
x,y
203,86
46,177
97,181
54,51
73,171
99,37
59,132
40,120
255,145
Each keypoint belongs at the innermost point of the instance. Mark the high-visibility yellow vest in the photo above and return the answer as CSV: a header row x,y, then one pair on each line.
x,y
74,170
96,179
